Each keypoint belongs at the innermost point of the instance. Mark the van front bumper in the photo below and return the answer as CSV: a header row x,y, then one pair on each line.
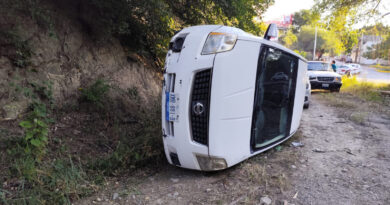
x,y
325,85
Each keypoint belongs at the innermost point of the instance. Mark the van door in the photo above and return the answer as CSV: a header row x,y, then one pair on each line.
x,y
274,97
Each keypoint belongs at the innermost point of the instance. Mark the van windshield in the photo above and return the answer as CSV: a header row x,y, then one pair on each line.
x,y
318,66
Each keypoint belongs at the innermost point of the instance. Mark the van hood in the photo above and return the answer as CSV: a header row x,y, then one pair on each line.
x,y
322,74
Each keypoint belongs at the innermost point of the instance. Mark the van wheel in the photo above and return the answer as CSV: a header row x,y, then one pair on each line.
x,y
306,106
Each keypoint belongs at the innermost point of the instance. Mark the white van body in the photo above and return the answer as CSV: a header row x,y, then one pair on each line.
x,y
213,105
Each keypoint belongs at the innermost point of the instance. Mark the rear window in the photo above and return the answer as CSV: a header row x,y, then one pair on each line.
x,y
318,66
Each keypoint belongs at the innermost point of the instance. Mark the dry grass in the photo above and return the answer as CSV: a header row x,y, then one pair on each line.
x,y
358,117
364,90
338,100
357,99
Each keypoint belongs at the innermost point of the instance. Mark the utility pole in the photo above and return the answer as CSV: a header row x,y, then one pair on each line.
x,y
315,44
360,48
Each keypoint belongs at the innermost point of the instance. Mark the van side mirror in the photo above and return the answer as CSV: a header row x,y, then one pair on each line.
x,y
272,32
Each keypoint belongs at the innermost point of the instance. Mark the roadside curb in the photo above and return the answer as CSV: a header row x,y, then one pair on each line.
x,y
382,71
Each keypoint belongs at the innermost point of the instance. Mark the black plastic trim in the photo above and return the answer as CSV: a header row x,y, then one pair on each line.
x,y
200,123
174,159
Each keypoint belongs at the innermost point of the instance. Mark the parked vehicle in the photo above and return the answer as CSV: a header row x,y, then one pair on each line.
x,y
356,68
228,95
345,70
348,59
322,76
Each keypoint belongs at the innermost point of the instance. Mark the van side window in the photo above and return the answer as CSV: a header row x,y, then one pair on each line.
x,y
274,97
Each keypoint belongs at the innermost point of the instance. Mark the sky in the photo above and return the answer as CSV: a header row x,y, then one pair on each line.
x,y
286,7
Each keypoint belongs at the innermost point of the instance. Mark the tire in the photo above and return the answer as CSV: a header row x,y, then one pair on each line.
x,y
306,106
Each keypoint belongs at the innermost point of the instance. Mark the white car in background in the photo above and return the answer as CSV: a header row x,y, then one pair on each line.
x,y
356,69
345,70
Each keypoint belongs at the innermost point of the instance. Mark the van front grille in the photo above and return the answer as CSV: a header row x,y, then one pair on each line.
x,y
325,79
200,108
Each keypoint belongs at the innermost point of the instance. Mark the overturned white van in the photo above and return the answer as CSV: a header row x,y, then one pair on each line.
x,y
228,95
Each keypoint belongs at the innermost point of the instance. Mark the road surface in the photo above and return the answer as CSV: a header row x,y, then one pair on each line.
x,y
370,74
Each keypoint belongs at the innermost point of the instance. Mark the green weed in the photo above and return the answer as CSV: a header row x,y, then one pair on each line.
x,y
57,182
95,93
137,146
17,50
36,130
41,180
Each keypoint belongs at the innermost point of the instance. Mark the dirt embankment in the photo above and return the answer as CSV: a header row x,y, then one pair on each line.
x,y
50,44
97,99
343,161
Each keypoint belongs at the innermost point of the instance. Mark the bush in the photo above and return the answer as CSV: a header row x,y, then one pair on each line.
x,y
16,49
53,182
95,93
139,144
147,26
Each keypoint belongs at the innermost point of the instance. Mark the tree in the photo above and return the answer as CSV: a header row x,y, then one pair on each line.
x,y
357,10
380,50
327,41
305,17
288,39
146,26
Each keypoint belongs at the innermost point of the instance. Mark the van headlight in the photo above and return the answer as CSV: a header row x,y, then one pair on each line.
x,y
337,79
207,163
219,42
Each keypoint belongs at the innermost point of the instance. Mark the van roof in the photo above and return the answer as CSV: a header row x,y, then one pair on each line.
x,y
242,35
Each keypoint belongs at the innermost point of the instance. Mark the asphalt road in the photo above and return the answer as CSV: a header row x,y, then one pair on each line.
x,y
370,74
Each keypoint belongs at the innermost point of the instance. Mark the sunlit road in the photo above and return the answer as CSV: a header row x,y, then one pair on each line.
x,y
370,74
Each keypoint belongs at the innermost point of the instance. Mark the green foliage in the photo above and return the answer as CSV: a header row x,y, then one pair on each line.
x,y
341,15
305,17
357,10
40,179
148,25
36,122
37,11
138,146
380,50
288,38
43,91
337,26
377,30
302,53
350,39
16,49
36,130
364,90
95,93
327,41
53,182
